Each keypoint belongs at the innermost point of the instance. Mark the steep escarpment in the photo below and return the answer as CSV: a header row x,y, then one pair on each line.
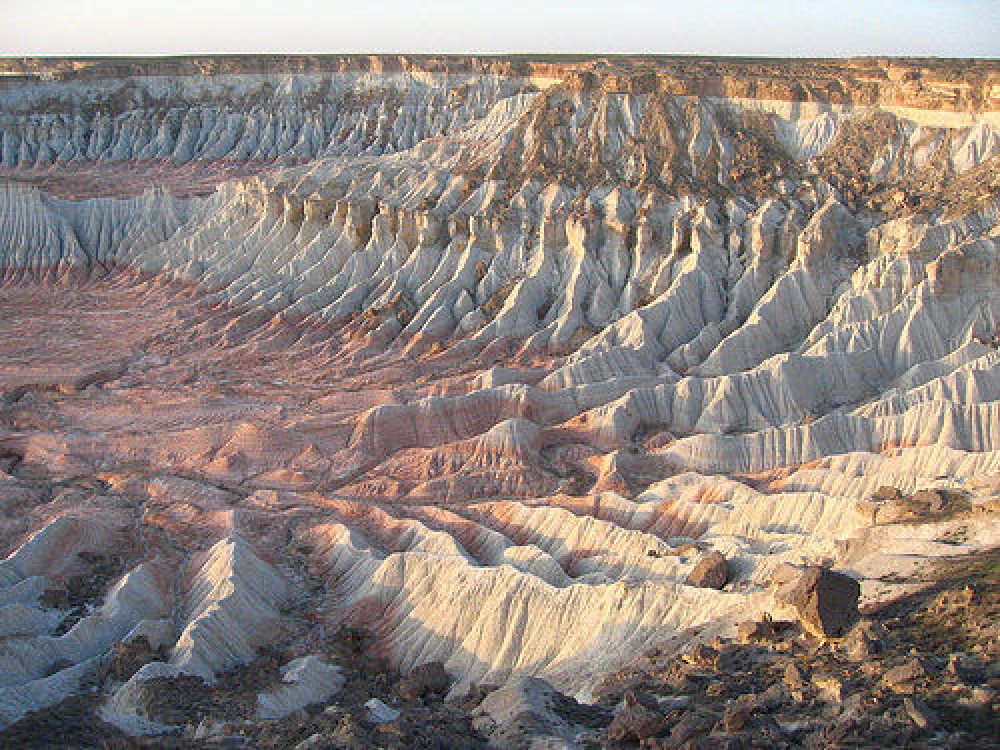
x,y
930,83
479,356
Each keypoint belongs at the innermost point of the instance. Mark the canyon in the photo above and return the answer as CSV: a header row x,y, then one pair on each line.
x,y
477,359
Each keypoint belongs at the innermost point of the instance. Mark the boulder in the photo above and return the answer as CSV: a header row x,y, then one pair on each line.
x,y
889,505
702,655
963,670
919,713
896,512
379,712
900,678
928,501
765,629
710,572
885,505
771,699
825,601
793,677
887,494
692,725
530,713
637,719
830,687
865,642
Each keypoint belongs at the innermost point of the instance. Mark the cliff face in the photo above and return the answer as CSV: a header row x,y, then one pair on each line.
x,y
952,85
466,349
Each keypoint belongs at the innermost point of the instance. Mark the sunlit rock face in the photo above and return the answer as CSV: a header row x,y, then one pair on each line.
x,y
468,353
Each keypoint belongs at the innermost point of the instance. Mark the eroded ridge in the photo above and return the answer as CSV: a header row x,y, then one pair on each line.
x,y
483,362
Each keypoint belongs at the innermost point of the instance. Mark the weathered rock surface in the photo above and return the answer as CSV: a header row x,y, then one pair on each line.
x,y
427,678
711,571
411,374
530,713
638,718
795,689
826,601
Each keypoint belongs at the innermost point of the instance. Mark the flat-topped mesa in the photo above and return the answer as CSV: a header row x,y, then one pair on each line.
x,y
931,83
471,141
921,85
90,68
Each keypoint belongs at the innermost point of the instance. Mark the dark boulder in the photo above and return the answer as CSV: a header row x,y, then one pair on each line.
x,y
826,602
711,572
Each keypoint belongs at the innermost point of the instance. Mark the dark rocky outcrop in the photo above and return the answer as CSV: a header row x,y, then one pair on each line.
x,y
427,678
826,601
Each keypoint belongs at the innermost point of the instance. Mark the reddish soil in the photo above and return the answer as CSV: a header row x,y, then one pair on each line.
x,y
122,179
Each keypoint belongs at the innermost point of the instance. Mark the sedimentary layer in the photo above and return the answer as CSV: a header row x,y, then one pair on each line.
x,y
479,355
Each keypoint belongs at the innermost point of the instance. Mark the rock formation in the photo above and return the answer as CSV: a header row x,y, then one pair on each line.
x,y
492,361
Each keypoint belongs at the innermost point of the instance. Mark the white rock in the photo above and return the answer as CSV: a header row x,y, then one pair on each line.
x,y
380,713
306,681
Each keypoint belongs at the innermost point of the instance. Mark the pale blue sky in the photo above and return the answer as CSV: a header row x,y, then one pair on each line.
x,y
947,28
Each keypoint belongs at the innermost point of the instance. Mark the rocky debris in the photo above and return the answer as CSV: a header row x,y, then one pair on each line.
x,y
84,590
900,678
793,677
766,629
710,572
826,601
639,717
220,733
924,686
427,678
918,711
778,685
175,700
703,655
352,728
831,688
228,713
890,505
380,713
129,657
305,681
930,187
530,713
72,723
